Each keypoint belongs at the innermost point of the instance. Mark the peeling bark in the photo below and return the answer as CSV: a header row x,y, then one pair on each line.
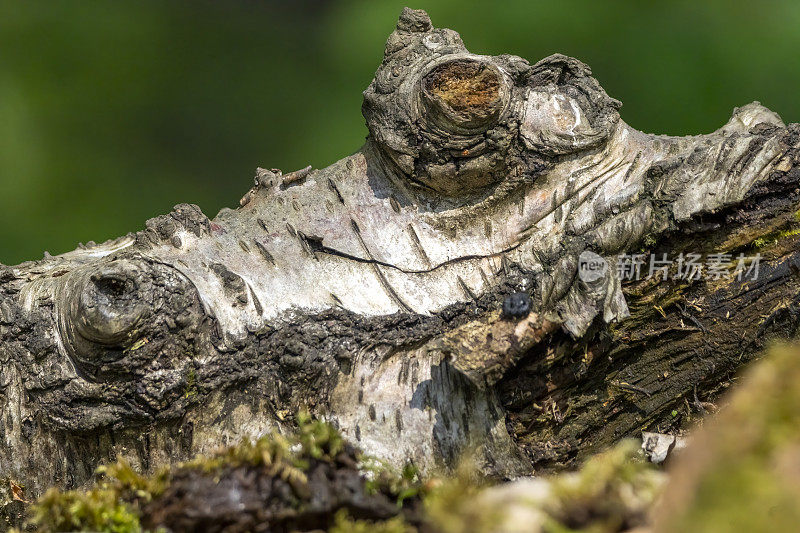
x,y
371,290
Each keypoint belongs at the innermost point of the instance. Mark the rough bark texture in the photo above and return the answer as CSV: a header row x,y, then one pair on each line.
x,y
371,290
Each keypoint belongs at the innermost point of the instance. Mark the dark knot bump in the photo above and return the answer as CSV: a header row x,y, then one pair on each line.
x,y
517,305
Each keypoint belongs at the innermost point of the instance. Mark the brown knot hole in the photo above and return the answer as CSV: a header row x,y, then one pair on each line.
x,y
463,95
465,86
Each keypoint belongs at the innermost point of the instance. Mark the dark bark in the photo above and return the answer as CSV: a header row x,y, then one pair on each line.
x,y
683,345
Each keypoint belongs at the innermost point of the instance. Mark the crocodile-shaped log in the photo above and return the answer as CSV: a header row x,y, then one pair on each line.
x,y
372,290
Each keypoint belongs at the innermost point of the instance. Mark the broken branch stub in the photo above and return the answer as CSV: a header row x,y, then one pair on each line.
x,y
371,290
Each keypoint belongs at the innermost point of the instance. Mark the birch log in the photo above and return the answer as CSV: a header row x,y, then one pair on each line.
x,y
372,291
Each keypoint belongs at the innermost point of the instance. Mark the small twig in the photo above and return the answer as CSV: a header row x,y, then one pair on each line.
x,y
633,388
697,404
685,314
297,175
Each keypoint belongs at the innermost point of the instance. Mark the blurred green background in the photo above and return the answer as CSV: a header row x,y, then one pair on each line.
x,y
111,112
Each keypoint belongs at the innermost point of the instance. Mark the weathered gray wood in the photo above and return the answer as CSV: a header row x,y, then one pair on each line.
x,y
371,290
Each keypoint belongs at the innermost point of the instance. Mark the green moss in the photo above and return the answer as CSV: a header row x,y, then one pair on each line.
x,y
138,344
191,388
382,477
97,510
123,479
318,439
789,233
287,457
648,242
451,506
746,478
115,503
612,492
344,524
776,236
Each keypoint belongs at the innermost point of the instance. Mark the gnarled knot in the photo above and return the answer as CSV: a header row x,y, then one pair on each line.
x,y
108,307
461,126
115,315
463,94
